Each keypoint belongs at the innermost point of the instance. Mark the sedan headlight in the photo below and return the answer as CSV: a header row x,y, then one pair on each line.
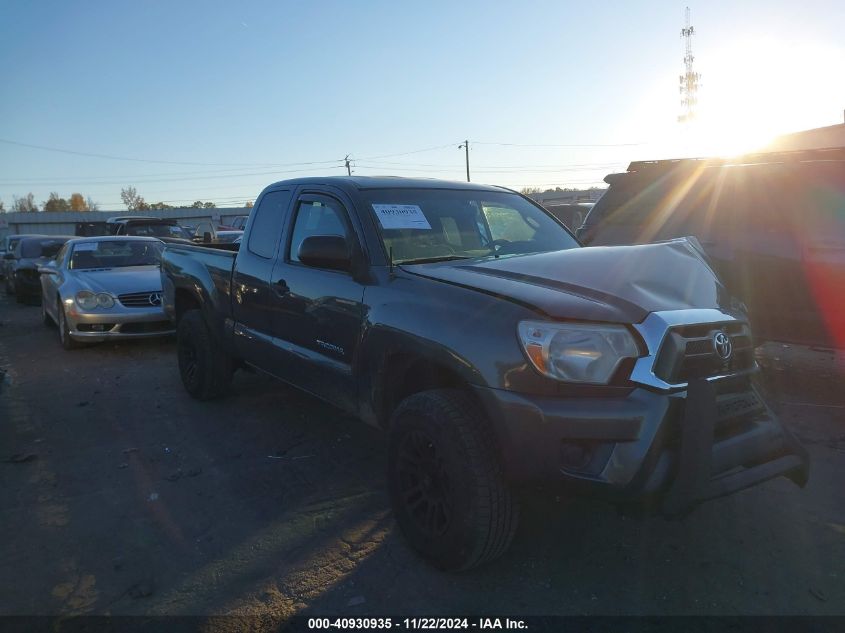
x,y
86,299
584,353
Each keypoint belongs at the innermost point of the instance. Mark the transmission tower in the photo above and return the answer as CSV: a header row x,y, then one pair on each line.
x,y
690,78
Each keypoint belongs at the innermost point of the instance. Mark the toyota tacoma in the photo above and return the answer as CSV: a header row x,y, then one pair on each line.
x,y
493,349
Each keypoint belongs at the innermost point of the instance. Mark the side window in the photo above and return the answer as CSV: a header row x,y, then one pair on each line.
x,y
267,225
315,218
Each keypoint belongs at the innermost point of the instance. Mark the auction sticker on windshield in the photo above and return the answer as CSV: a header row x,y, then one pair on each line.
x,y
401,216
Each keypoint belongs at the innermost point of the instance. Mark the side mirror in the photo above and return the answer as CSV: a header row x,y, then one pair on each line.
x,y
48,269
325,251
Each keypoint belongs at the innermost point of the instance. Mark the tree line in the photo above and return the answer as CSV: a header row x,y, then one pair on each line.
x,y
27,204
76,202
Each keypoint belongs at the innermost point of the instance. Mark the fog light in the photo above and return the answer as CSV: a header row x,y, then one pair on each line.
x,y
575,455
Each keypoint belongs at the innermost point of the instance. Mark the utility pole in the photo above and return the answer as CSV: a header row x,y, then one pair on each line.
x,y
465,146
348,165
690,78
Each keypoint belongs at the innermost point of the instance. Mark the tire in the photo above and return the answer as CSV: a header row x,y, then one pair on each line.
x,y
446,481
205,369
64,330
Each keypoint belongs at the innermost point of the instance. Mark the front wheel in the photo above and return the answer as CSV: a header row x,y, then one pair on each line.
x,y
46,319
205,369
64,330
446,481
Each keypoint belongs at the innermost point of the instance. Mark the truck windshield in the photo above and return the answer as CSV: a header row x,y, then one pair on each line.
x,y
425,225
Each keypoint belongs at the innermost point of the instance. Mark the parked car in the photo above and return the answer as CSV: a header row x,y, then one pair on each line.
x,y
91,229
773,226
164,229
572,214
493,349
239,222
104,288
8,247
206,233
30,253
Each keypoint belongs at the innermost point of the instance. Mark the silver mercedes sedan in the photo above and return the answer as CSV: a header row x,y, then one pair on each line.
x,y
101,288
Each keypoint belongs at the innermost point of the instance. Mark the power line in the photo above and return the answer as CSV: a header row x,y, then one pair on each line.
x,y
136,181
416,151
585,146
162,162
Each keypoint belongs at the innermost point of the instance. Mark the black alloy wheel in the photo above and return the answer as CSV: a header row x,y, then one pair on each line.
x,y
424,484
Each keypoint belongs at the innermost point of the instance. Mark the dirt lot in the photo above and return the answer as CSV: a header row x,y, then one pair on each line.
x,y
119,494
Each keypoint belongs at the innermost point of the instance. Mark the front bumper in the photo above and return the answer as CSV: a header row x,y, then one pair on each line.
x,y
668,450
118,323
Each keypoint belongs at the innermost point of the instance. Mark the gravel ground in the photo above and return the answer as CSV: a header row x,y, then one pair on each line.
x,y
121,495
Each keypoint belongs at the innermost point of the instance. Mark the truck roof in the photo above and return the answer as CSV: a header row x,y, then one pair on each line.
x,y
388,182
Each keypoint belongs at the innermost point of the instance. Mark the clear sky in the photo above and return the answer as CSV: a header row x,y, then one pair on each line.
x,y
215,100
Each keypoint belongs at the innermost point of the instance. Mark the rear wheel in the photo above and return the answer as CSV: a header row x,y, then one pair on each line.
x,y
64,329
446,482
205,369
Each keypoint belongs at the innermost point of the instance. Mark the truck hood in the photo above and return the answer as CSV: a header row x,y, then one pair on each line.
x,y
120,281
619,284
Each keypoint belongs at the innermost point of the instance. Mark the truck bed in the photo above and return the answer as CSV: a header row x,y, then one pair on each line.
x,y
211,265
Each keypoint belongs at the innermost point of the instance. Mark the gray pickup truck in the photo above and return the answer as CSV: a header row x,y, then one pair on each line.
x,y
493,349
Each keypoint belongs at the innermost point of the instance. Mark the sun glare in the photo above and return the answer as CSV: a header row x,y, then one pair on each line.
x,y
753,92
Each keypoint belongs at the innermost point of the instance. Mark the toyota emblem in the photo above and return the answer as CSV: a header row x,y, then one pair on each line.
x,y
155,299
723,346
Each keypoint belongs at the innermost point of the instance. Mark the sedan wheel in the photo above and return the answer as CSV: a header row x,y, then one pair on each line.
x,y
64,331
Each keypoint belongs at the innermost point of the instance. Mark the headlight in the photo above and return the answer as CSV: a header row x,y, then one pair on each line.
x,y
105,300
588,353
86,299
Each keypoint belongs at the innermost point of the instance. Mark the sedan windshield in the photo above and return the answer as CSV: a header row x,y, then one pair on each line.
x,y
33,249
115,254
425,225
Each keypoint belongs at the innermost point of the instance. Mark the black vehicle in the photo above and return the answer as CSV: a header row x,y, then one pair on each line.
x,y
572,214
8,257
167,230
773,226
494,350
91,229
23,279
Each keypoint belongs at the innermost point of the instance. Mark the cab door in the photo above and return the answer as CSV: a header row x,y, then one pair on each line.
x,y
252,301
318,313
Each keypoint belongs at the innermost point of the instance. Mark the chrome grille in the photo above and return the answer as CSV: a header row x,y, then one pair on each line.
x,y
689,352
140,299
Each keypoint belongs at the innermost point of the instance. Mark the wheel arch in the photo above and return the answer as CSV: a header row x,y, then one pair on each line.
x,y
403,374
